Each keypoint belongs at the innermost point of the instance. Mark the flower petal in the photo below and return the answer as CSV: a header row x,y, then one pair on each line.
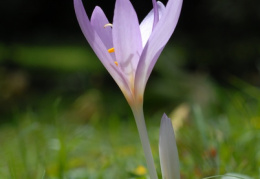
x,y
98,46
146,25
168,150
156,42
156,13
98,20
126,37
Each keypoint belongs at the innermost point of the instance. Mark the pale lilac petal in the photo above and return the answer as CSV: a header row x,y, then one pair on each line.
x,y
156,13
126,37
168,150
98,46
156,42
146,25
90,34
98,20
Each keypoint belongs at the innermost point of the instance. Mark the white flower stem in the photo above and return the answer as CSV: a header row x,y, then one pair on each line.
x,y
140,122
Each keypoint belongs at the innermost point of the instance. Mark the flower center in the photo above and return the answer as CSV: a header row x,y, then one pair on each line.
x,y
111,50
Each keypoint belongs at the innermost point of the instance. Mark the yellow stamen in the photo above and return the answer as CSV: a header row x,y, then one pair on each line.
x,y
111,50
116,63
106,25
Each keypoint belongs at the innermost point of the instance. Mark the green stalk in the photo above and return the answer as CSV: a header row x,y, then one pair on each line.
x,y
140,122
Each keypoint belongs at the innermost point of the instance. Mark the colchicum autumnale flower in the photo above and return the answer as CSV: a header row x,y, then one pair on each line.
x,y
129,50
168,151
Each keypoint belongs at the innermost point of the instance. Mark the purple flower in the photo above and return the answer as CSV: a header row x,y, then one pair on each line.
x,y
127,49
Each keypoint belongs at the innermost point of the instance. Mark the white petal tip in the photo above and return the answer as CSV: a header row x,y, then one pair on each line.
x,y
168,150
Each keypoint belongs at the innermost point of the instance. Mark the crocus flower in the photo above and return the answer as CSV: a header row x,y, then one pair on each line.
x,y
168,150
129,50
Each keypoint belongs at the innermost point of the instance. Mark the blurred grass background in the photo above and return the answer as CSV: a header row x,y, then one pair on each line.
x,y
62,115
